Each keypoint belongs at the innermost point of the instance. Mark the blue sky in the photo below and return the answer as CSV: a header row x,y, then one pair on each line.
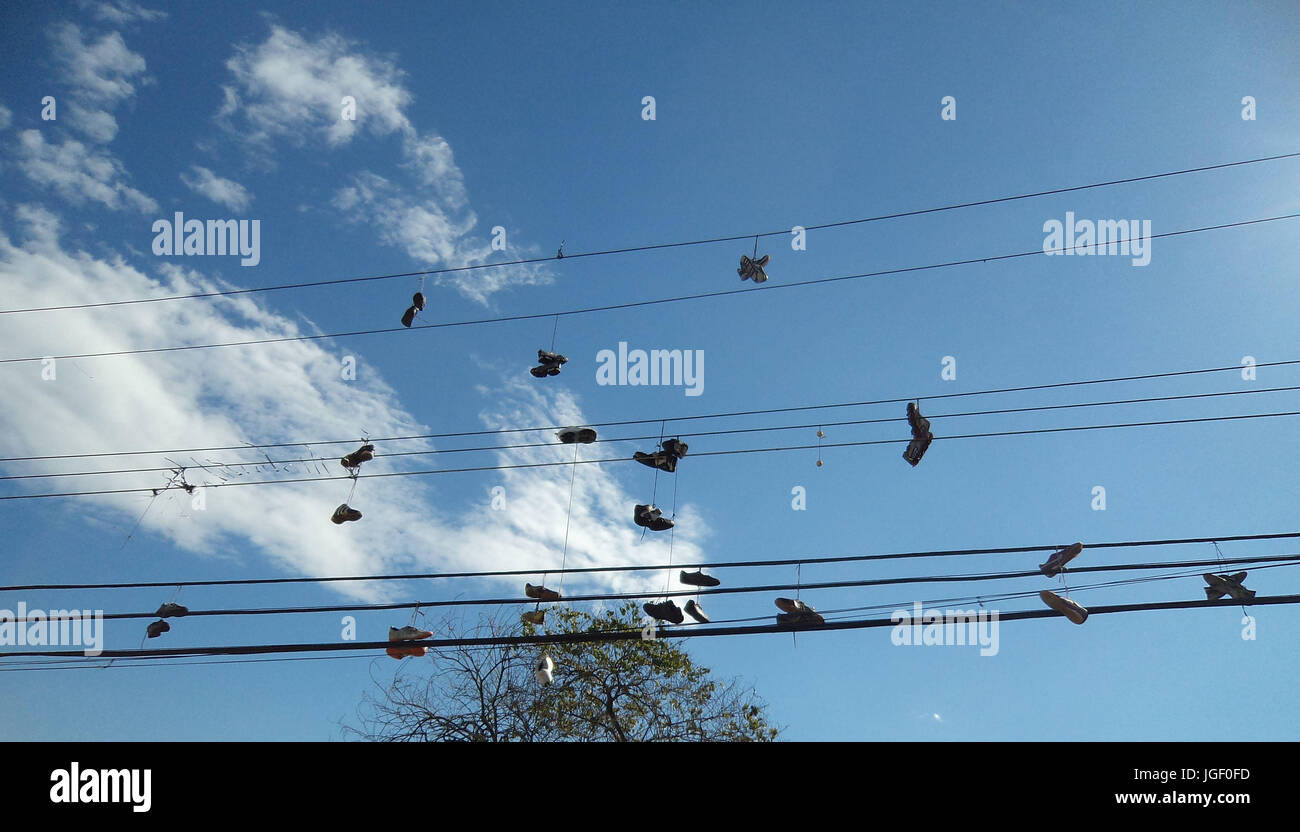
x,y
767,116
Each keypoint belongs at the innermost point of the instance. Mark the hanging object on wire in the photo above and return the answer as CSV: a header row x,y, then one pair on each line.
x,y
1220,585
536,617
1055,565
921,436
157,628
353,461
172,610
1065,606
651,518
752,268
541,593
416,307
820,437
698,578
665,459
549,364
795,613
545,669
580,435
664,611
407,633
559,253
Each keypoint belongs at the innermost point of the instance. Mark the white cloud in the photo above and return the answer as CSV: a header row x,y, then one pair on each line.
x,y
6,117
122,12
221,191
277,393
102,74
292,88
78,173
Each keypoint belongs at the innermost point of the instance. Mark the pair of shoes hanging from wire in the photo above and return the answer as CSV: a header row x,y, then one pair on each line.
x,y
753,269
416,307
549,364
665,459
1220,585
921,436
649,517
795,613
408,633
352,462
168,609
1053,566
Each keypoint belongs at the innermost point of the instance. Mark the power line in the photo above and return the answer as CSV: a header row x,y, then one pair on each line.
x,y
731,414
616,306
655,246
732,452
613,636
807,560
1276,560
695,434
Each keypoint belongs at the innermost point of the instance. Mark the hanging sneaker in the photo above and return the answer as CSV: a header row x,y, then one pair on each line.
x,y
659,459
544,670
675,447
408,317
1070,609
651,518
1220,585
793,606
664,611
407,633
170,610
698,578
344,513
400,653
541,593
157,628
544,357
1056,563
804,619
417,301
920,424
753,269
695,611
538,372
916,449
583,436
535,617
363,454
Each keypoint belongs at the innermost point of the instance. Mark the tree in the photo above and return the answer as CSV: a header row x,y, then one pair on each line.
x,y
602,691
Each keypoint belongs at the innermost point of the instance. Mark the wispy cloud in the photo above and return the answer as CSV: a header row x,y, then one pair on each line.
x,y
122,12
218,189
79,173
102,73
290,88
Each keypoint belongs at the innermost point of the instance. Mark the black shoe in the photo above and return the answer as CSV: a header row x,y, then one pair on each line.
x,y
651,518
417,301
806,619
920,424
544,357
583,436
675,448
157,628
664,611
363,454
170,610
659,459
698,578
916,449
408,317
344,513
694,611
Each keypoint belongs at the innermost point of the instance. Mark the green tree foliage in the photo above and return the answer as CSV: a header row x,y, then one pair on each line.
x,y
603,691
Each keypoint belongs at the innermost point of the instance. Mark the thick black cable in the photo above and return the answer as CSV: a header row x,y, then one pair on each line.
x,y
630,635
